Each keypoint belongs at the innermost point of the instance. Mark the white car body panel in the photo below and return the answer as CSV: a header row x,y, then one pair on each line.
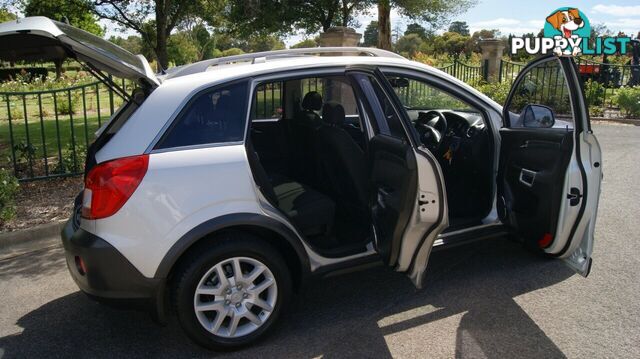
x,y
430,217
181,190
579,253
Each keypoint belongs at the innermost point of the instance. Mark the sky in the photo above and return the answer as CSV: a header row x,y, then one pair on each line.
x,y
511,17
518,17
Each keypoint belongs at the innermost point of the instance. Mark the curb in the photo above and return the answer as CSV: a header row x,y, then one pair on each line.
x,y
618,120
32,235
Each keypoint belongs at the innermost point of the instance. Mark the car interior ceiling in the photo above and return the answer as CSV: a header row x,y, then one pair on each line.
x,y
311,163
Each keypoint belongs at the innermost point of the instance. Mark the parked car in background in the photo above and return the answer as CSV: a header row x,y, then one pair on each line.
x,y
199,201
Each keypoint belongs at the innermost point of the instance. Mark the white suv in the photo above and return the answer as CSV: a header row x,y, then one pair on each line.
x,y
221,187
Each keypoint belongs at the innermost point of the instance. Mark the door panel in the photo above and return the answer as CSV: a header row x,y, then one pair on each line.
x,y
269,140
533,167
550,165
394,179
408,199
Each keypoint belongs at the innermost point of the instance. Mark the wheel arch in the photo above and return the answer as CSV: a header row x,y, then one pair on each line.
x,y
268,229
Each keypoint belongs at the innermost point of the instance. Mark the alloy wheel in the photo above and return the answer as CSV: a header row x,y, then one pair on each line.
x,y
235,297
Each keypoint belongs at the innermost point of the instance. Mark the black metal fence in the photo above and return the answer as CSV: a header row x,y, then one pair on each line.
x,y
509,71
601,80
466,72
45,134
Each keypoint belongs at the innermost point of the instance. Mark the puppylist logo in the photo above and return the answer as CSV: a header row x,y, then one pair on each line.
x,y
566,33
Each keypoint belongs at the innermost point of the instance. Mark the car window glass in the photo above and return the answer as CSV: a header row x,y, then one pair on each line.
x,y
541,98
332,89
419,95
267,101
214,116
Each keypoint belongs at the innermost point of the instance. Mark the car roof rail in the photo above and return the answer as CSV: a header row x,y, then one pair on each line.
x,y
260,57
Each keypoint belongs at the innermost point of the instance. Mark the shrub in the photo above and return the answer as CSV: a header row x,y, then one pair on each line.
x,y
596,111
8,189
232,52
425,59
68,108
594,93
628,99
67,164
16,112
497,91
25,152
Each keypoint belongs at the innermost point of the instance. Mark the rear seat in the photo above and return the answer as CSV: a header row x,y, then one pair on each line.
x,y
310,211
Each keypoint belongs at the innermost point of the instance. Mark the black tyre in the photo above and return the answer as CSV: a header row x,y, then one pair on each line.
x,y
230,291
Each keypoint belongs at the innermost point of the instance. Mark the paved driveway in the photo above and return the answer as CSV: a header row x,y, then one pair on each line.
x,y
490,299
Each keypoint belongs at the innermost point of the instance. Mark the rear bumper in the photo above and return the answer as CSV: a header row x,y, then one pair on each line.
x,y
108,275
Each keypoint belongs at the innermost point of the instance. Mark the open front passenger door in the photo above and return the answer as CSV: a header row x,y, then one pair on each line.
x,y
550,162
408,204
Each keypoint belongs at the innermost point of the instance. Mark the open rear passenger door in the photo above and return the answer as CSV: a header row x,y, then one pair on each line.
x,y
550,162
408,203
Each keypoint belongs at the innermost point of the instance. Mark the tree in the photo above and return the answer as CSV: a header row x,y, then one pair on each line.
x,y
370,37
460,27
6,15
77,12
409,44
451,43
304,44
181,49
264,43
167,15
384,24
432,12
474,41
415,28
248,17
132,43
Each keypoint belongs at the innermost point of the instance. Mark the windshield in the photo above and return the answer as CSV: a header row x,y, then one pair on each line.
x,y
418,95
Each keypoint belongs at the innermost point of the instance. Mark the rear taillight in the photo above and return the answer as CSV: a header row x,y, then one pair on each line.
x,y
109,185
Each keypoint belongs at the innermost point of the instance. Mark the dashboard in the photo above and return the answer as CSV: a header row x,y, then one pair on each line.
x,y
463,123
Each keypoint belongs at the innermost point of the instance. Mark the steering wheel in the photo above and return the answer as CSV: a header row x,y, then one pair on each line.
x,y
431,126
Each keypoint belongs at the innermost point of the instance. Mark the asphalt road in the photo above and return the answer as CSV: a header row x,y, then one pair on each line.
x,y
489,299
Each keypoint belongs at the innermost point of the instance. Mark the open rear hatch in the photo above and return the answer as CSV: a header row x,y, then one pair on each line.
x,y
42,39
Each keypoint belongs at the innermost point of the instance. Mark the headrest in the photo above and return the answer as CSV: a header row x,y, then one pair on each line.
x,y
333,113
312,101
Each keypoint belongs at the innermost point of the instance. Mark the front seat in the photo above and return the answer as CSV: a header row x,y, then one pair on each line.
x,y
303,129
342,163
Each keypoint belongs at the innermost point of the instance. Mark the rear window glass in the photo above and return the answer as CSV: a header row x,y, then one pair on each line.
x,y
214,116
102,46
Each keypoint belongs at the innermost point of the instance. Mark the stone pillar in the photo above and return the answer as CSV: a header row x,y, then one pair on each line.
x,y
339,36
491,56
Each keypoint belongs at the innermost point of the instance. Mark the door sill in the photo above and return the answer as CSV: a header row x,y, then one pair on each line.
x,y
471,234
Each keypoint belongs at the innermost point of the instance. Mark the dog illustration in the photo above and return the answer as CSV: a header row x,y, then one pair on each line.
x,y
566,21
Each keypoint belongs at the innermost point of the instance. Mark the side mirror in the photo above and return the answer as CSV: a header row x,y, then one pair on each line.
x,y
537,116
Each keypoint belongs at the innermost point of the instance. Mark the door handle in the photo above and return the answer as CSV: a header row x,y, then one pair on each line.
x,y
527,177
